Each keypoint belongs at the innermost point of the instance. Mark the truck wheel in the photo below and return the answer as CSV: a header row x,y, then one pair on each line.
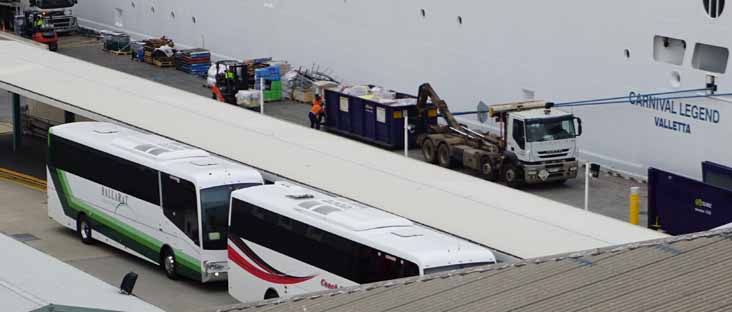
x,y
428,151
486,169
443,156
511,175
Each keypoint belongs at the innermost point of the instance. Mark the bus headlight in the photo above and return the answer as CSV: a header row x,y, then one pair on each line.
x,y
67,12
216,267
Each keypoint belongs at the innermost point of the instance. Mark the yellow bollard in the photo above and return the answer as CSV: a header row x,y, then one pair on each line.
x,y
634,205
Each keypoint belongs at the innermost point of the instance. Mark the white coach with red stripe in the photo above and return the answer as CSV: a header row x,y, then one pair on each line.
x,y
286,240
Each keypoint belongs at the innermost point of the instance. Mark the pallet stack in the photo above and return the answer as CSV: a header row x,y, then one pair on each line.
x,y
193,61
160,61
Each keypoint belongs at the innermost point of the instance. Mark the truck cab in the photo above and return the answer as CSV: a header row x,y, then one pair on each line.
x,y
58,12
542,143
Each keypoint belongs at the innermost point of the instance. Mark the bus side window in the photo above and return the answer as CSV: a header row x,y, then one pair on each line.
x,y
180,205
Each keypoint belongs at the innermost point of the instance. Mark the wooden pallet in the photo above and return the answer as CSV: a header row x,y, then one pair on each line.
x,y
159,63
119,53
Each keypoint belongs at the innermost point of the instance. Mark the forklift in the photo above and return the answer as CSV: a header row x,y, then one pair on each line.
x,y
231,77
37,27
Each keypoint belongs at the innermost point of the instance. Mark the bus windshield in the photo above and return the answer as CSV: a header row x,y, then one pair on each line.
x,y
54,4
215,214
454,267
540,130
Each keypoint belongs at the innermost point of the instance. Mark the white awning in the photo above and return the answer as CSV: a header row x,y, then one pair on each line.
x,y
508,220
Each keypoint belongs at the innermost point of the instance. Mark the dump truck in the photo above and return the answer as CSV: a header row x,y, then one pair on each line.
x,y
58,13
536,143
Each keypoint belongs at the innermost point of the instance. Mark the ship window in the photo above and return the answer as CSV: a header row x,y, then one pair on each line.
x,y
669,50
710,58
714,8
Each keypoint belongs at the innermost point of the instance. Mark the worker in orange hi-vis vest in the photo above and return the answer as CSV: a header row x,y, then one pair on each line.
x,y
316,112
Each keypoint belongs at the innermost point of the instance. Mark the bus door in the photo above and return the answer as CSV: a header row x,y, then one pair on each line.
x,y
180,206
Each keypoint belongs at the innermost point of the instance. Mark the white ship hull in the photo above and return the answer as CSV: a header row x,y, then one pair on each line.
x,y
502,52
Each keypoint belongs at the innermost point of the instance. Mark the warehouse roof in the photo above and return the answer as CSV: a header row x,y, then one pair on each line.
x,y
499,217
686,273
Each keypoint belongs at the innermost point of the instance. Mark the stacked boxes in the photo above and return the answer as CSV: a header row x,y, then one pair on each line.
x,y
272,82
193,61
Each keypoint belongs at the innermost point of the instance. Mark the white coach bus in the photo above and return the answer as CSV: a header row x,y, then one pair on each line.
x,y
286,240
155,198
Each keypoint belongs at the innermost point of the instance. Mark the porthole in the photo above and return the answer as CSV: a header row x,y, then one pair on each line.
x,y
675,79
714,8
423,12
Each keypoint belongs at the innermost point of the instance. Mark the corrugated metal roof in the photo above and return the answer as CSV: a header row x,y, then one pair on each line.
x,y
511,221
687,273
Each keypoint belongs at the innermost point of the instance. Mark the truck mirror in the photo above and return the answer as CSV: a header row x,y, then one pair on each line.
x,y
579,126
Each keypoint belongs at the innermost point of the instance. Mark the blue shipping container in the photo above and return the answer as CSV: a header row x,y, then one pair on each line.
x,y
680,205
371,121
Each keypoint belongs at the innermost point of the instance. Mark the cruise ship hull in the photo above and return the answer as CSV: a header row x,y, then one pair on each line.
x,y
489,51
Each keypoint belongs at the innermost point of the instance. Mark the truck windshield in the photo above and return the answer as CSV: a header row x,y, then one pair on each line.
x,y
540,130
215,214
54,4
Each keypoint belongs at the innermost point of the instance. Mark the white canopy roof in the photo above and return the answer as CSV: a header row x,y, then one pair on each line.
x,y
31,280
502,218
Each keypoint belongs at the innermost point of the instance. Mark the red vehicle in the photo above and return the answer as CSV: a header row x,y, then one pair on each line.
x,y
38,28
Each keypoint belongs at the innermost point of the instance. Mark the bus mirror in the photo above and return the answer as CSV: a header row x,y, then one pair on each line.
x,y
579,126
128,283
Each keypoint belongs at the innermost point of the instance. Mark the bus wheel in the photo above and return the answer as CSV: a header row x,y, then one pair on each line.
x,y
169,264
271,294
84,229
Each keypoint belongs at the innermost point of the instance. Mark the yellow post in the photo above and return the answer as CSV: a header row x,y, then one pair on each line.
x,y
634,205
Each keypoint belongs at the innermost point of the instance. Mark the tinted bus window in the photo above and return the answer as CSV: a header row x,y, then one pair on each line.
x,y
322,249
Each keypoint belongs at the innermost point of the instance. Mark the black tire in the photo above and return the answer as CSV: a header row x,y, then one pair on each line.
x,y
428,151
271,294
487,170
213,96
84,229
444,158
53,47
511,175
168,263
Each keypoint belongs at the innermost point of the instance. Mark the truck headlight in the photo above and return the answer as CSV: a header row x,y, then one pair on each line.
x,y
531,172
216,266
68,12
573,169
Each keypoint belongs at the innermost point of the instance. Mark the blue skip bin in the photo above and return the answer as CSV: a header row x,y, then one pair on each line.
x,y
372,121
